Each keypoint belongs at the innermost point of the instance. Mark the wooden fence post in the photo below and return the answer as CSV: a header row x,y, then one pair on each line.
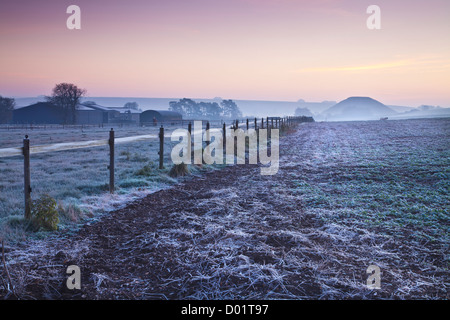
x,y
262,123
208,138
111,161
190,141
247,124
224,139
27,176
161,147
256,125
224,132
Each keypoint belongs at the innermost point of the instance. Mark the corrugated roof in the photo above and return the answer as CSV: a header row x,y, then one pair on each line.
x,y
164,112
82,107
95,106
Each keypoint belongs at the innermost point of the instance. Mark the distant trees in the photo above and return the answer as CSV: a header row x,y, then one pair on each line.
x,y
176,106
303,112
6,109
230,109
67,97
425,107
131,105
186,107
206,110
211,110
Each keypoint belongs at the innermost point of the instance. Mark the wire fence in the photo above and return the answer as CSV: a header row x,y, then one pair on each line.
x,y
208,126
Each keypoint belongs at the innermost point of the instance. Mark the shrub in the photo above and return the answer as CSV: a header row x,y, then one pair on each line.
x,y
127,154
145,171
70,212
44,213
179,170
139,158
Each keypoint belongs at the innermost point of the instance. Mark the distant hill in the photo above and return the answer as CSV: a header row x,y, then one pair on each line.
x,y
357,108
424,112
400,108
316,108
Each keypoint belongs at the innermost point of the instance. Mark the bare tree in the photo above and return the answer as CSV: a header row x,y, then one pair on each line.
x,y
67,96
6,109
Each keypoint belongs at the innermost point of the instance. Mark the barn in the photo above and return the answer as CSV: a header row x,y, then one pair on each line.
x,y
38,113
130,116
109,115
160,116
47,113
88,115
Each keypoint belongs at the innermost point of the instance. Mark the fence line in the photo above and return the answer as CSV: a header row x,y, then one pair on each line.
x,y
27,150
37,126
62,146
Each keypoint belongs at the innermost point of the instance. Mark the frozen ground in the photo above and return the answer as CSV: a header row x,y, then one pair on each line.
x,y
79,179
347,195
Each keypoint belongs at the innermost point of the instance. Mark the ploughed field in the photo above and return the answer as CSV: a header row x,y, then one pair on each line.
x,y
347,195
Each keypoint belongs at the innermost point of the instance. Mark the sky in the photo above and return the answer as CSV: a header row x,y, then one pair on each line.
x,y
282,50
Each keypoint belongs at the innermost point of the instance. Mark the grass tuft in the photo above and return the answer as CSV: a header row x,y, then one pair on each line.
x,y
179,170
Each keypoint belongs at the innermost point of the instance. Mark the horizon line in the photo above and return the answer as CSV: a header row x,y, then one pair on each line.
x,y
247,99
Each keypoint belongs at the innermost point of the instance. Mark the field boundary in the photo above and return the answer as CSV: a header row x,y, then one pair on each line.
x,y
26,150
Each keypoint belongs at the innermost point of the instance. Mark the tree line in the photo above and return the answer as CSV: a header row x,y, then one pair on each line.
x,y
189,109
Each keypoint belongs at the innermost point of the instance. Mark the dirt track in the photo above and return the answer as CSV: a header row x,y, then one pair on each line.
x,y
230,234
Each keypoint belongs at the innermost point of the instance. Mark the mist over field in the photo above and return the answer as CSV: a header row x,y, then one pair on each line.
x,y
362,109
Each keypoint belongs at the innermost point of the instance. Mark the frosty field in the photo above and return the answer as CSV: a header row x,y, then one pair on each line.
x,y
347,195
78,179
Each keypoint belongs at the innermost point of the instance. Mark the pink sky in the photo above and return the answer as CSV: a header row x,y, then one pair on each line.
x,y
239,49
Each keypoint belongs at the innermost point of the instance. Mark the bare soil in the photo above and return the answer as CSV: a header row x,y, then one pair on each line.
x,y
235,234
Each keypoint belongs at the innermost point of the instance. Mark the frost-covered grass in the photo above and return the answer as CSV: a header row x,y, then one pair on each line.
x,y
394,175
79,179
347,195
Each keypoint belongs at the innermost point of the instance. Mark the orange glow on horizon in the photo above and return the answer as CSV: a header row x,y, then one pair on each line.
x,y
241,49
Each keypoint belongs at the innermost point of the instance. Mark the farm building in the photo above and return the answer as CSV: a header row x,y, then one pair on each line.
x,y
160,116
109,115
115,114
41,112
47,113
88,115
126,115
130,115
